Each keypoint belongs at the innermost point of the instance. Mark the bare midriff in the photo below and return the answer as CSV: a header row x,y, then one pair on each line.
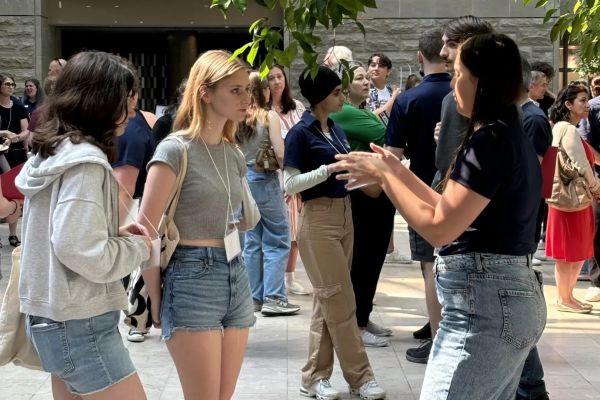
x,y
202,242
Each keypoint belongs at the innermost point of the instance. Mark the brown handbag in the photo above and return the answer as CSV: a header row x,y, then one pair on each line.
x,y
570,191
265,157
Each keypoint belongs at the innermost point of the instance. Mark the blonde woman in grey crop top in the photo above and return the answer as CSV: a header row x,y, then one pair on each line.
x,y
205,310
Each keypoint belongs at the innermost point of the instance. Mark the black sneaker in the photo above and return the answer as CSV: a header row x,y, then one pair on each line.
x,y
424,333
420,354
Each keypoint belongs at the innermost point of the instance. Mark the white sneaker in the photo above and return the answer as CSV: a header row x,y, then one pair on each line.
x,y
136,336
370,340
536,262
369,391
296,288
592,294
396,258
378,330
541,255
321,389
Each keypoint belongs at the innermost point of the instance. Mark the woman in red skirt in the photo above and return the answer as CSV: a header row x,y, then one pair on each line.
x,y
570,235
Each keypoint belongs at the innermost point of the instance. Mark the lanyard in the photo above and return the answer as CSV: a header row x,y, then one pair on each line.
x,y
226,186
330,142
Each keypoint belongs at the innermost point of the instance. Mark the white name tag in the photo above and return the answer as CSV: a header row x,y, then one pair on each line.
x,y
233,247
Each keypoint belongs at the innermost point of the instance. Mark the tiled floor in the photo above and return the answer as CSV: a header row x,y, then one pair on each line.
x,y
570,348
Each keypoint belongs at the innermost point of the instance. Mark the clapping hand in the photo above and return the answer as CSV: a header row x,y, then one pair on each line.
x,y
363,168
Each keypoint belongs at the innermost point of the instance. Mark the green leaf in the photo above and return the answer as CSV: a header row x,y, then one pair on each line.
x,y
241,5
255,25
361,27
526,2
555,32
578,4
591,3
253,52
239,51
576,25
549,14
369,3
264,70
541,3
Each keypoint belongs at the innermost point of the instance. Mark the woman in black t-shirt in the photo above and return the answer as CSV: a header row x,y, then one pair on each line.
x,y
13,128
493,306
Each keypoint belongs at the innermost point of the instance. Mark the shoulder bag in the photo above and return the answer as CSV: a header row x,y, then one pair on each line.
x,y
266,161
570,191
137,315
15,346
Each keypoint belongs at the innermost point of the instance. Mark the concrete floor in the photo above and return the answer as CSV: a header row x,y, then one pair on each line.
x,y
569,348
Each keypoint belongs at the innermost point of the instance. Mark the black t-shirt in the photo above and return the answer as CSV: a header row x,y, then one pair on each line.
x,y
162,127
306,149
136,147
412,122
10,119
499,163
537,128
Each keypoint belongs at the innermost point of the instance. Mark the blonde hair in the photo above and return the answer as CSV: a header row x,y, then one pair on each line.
x,y
208,70
258,110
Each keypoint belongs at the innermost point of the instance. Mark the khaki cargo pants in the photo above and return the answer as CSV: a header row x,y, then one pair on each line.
x,y
325,236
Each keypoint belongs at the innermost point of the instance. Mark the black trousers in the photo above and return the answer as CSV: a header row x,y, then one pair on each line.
x,y
373,227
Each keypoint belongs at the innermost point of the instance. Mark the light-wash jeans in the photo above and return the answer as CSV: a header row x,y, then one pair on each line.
x,y
267,246
493,313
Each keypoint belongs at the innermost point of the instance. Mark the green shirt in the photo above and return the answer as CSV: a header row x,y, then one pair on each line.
x,y
362,127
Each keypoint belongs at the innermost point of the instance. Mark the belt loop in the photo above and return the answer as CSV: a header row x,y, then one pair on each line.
x,y
209,256
478,262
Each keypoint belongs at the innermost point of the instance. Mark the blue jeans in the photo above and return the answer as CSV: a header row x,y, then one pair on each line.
x,y
493,313
531,383
267,246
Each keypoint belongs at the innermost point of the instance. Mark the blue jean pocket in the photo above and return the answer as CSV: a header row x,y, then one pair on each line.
x,y
189,268
520,314
50,340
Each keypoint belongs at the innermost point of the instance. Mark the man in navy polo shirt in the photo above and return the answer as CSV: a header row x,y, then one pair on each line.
x,y
410,133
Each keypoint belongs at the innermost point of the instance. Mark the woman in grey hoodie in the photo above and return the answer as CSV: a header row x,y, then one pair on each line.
x,y
74,254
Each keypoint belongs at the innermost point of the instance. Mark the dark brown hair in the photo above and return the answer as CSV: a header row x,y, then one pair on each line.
x,y
559,111
496,61
462,28
287,102
88,104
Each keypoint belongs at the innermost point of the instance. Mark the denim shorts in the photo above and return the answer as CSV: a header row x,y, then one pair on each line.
x,y
87,354
202,291
493,313
420,249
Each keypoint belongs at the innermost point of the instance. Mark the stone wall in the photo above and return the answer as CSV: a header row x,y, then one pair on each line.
x,y
18,48
398,39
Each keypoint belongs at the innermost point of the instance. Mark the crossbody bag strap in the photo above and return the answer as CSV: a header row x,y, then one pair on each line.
x,y
174,199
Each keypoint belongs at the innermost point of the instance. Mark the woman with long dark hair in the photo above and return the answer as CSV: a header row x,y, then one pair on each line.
x,y
570,234
290,111
70,285
493,308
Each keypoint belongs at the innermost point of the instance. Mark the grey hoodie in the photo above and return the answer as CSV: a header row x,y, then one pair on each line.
x,y
72,257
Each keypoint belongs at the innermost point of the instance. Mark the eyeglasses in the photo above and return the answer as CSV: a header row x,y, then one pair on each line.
x,y
9,84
